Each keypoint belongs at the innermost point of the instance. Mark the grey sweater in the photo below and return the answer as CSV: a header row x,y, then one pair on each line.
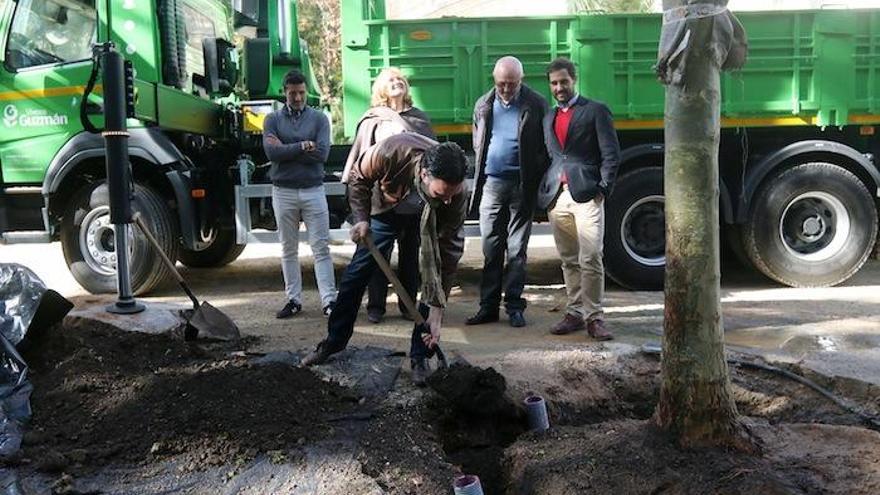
x,y
291,166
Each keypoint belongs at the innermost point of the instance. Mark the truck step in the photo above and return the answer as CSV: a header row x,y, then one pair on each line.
x,y
26,237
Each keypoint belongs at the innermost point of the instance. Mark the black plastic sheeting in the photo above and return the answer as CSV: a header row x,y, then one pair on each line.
x,y
21,295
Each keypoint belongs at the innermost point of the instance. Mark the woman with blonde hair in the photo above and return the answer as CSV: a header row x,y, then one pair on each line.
x,y
392,112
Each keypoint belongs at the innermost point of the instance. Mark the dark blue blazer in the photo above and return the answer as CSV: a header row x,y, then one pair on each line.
x,y
590,157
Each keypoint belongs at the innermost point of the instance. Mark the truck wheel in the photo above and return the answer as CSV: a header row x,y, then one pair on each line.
x,y
220,252
733,240
813,225
87,239
635,236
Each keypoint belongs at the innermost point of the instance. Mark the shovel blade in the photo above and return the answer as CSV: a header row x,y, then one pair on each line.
x,y
212,323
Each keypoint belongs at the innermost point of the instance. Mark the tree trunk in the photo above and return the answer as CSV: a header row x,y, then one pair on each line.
x,y
696,403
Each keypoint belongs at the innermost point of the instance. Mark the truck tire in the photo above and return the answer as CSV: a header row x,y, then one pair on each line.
x,y
813,225
733,240
635,235
89,249
222,251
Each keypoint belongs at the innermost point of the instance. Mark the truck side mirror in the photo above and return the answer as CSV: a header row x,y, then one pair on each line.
x,y
219,66
257,67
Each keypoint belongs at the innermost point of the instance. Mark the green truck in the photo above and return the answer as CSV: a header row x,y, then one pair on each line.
x,y
799,186
798,180
205,73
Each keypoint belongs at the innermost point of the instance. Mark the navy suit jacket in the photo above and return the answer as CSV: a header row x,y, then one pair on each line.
x,y
590,157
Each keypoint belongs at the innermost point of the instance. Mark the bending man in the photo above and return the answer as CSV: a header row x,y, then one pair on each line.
x,y
412,175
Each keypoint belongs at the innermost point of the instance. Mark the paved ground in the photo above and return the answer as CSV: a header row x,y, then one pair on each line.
x,y
834,330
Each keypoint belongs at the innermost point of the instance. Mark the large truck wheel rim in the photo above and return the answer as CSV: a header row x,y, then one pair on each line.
x,y
97,241
814,226
642,231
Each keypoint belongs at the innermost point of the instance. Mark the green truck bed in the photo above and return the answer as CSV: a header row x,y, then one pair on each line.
x,y
810,67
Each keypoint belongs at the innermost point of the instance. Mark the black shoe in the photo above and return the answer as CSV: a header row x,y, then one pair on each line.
x,y
374,315
517,319
483,316
419,371
328,308
319,356
290,309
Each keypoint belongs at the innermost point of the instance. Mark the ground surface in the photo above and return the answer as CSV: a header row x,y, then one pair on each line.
x,y
105,396
633,457
833,329
128,413
121,412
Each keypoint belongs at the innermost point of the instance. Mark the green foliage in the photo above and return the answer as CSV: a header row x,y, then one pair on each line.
x,y
320,26
610,6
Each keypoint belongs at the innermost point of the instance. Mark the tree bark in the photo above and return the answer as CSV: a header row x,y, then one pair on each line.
x,y
696,403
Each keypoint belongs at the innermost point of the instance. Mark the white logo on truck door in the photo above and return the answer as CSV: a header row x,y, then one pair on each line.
x,y
32,118
10,116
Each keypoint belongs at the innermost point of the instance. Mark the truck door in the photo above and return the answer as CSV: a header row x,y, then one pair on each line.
x,y
46,51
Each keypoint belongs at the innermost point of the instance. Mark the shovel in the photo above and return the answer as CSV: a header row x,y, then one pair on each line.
x,y
206,320
414,313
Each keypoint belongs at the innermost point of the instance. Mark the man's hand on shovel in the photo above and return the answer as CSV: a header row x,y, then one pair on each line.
x,y
359,232
434,324
435,314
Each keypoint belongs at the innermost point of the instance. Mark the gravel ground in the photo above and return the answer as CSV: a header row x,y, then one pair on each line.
x,y
835,329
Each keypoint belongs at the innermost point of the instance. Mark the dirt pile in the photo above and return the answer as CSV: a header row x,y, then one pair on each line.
x,y
633,457
476,419
102,396
106,400
401,449
474,391
606,443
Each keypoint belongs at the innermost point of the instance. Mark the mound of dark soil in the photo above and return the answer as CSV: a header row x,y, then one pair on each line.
x,y
402,451
633,457
610,444
102,396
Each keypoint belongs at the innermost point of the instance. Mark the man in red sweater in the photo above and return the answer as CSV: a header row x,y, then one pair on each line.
x,y
584,154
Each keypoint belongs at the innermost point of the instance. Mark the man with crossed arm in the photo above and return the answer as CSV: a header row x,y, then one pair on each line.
x,y
297,140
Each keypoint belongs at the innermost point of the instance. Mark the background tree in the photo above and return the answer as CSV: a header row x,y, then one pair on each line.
x,y
321,28
696,403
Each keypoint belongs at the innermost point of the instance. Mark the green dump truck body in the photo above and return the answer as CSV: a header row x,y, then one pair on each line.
x,y
817,67
798,182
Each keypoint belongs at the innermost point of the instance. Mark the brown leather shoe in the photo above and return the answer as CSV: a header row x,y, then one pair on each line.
x,y
597,330
571,323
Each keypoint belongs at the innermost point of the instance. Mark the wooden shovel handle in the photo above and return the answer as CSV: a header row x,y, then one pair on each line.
x,y
170,264
414,313
156,246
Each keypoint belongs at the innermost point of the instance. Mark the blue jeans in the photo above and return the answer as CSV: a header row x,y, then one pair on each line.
x,y
505,227
385,229
407,268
